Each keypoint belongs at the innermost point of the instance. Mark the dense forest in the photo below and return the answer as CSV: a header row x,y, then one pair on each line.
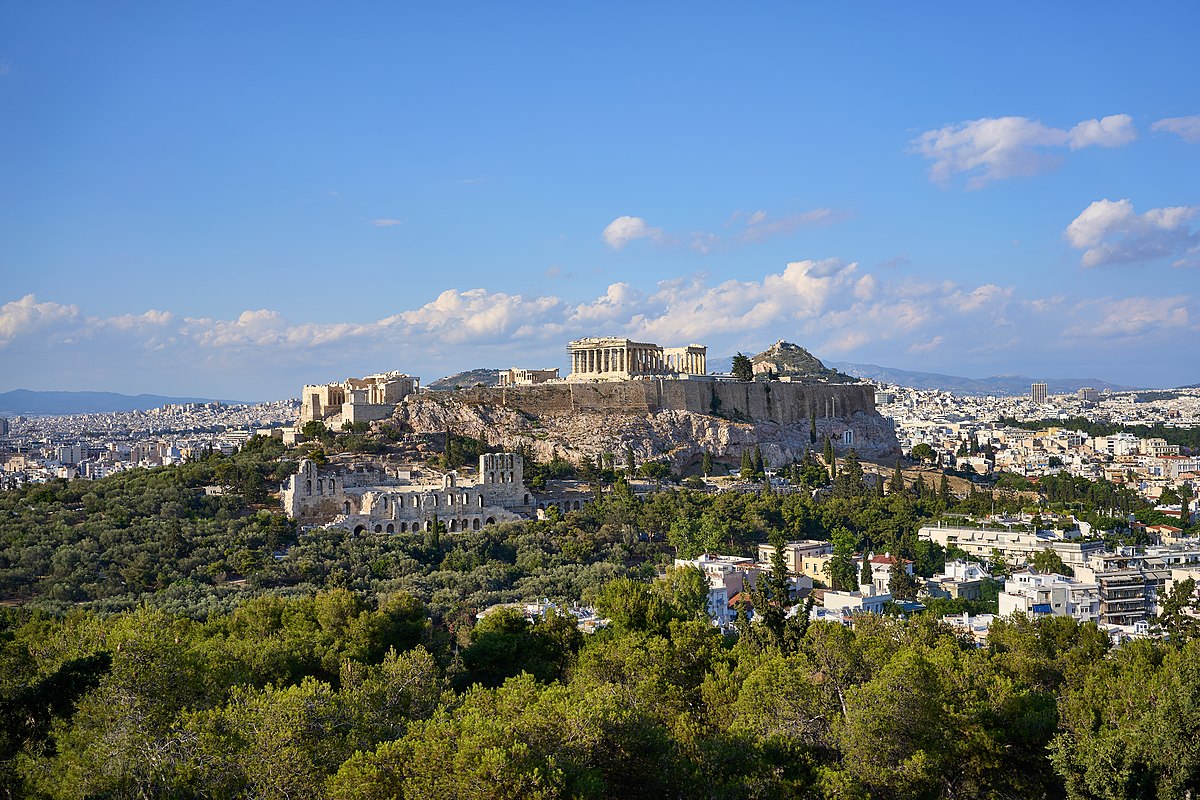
x,y
161,640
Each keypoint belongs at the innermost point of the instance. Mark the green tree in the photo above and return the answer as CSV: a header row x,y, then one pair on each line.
x,y
922,452
1049,561
743,369
706,463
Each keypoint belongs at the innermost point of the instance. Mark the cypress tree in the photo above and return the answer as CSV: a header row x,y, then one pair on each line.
x,y
897,482
866,576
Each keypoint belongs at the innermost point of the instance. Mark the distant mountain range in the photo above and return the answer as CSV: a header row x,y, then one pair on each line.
x,y
995,385
24,401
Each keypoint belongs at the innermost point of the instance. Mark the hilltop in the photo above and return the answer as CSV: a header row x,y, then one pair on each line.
x,y
785,359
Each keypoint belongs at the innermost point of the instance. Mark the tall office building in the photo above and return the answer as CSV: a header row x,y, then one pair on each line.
x,y
1038,392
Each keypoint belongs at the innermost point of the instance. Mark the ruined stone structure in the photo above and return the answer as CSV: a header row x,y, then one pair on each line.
x,y
355,399
368,499
527,377
614,359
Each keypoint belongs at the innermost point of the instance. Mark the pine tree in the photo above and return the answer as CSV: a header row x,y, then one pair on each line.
x,y
760,469
743,369
747,470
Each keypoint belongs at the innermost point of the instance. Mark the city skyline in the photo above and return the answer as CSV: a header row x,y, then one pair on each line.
x,y
222,201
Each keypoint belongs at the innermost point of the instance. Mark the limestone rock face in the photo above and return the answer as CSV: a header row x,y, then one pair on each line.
x,y
680,437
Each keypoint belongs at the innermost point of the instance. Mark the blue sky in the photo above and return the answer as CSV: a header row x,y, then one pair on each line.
x,y
205,198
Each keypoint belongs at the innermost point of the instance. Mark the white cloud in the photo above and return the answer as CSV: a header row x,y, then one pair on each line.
x,y
386,222
1187,128
1129,317
623,230
760,226
477,315
1113,233
1008,147
27,316
1111,131
925,347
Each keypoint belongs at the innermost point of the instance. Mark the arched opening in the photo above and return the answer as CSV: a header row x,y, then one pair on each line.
x,y
453,525
378,528
475,524
490,521
428,526
390,528
346,507
404,527
308,487
575,505
526,500
385,503
320,486
359,529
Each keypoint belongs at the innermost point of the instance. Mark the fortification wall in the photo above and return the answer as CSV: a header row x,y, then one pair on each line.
x,y
758,401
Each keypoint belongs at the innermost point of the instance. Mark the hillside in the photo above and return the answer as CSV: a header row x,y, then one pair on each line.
x,y
482,376
679,437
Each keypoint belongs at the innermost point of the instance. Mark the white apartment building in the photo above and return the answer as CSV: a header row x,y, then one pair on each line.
x,y
1030,592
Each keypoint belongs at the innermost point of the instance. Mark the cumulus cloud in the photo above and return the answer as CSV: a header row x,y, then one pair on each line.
x,y
479,315
27,316
1111,131
1009,147
1187,128
1111,232
623,230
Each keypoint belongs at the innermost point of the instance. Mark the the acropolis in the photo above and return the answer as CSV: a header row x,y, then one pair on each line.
x,y
613,359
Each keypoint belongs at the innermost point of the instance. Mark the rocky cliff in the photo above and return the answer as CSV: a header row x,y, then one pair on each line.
x,y
681,437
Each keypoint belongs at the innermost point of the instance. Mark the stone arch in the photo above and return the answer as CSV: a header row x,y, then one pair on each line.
x,y
359,529
390,528
453,526
526,500
475,524
378,528
575,505
385,503
346,508
404,527
308,486
490,521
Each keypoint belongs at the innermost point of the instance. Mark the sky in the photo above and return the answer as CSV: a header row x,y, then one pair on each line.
x,y
232,199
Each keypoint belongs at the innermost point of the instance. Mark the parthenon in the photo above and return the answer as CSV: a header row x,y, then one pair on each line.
x,y
614,359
